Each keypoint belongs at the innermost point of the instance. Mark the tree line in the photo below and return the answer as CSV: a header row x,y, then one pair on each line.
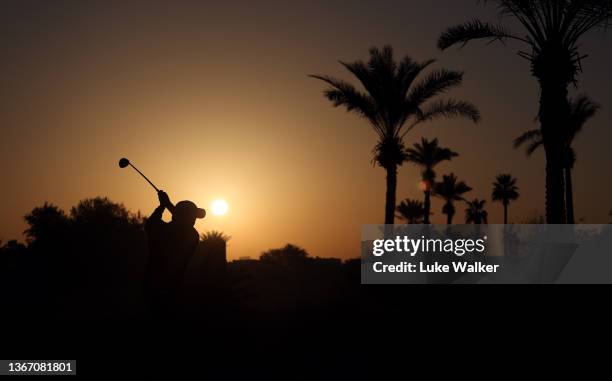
x,y
398,96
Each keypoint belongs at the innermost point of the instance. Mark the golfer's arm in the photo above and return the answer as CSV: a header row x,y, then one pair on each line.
x,y
155,218
171,208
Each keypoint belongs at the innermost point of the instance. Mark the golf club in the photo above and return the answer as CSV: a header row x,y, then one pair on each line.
x,y
123,163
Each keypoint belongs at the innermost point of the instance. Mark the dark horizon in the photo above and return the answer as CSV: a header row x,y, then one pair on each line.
x,y
213,101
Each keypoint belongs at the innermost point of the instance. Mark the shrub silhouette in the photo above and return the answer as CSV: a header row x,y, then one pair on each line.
x,y
89,264
290,256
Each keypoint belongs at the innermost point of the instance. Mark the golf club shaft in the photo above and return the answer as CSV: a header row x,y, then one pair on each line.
x,y
145,177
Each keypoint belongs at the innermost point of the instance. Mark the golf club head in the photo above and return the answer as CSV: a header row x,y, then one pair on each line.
x,y
124,163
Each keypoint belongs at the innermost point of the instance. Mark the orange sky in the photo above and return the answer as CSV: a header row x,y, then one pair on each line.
x,y
212,101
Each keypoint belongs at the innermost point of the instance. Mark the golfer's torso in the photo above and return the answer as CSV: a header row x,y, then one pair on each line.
x,y
170,251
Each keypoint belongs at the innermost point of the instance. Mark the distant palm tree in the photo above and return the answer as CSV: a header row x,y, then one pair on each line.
x,y
214,236
553,30
581,110
450,190
411,211
394,102
475,212
427,155
505,191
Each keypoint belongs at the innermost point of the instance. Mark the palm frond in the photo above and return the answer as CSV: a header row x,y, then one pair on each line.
x,y
451,189
448,109
582,109
434,84
342,93
533,147
505,189
533,137
427,154
385,102
411,211
214,236
474,30
408,71
475,212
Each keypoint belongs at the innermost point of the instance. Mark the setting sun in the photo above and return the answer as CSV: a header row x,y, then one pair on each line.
x,y
220,207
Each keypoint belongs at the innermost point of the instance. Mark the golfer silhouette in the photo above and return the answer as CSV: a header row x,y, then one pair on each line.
x,y
171,247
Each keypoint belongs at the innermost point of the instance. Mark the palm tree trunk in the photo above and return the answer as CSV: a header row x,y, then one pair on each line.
x,y
555,200
427,207
554,114
390,199
505,213
569,196
449,219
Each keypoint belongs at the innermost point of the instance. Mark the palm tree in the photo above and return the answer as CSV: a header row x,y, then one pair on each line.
x,y
450,190
553,30
475,212
214,236
427,155
411,211
581,110
394,102
505,190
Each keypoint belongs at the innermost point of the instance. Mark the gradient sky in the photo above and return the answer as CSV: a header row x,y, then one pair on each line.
x,y
211,100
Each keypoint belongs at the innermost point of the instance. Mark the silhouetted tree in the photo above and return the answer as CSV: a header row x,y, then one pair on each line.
x,y
12,247
581,110
47,228
411,211
94,256
214,236
290,255
393,103
475,212
553,32
206,288
450,190
505,191
213,245
427,155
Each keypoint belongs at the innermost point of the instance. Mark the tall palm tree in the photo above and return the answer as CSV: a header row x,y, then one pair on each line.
x,y
394,102
411,211
427,155
581,110
505,191
552,33
450,190
475,212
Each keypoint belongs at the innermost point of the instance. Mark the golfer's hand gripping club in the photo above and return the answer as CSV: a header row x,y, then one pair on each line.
x,y
164,200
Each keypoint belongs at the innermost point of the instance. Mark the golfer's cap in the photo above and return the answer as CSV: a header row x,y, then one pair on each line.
x,y
190,209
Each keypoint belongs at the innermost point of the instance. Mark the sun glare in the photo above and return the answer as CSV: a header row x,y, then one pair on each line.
x,y
220,207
